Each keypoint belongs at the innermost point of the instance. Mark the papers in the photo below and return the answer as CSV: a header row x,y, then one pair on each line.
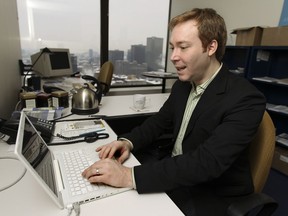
x,y
77,128
272,80
277,108
47,113
139,110
283,81
282,139
158,73
265,79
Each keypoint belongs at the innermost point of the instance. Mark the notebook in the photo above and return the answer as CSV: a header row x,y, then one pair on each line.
x,y
55,172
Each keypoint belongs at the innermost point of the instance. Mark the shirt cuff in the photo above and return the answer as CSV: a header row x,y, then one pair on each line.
x,y
124,139
133,178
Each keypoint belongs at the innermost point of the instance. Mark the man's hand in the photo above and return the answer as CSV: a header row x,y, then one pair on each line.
x,y
119,149
109,171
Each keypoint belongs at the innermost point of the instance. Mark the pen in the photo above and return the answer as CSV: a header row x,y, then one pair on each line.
x,y
91,133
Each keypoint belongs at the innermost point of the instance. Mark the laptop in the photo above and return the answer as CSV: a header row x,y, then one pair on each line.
x,y
55,172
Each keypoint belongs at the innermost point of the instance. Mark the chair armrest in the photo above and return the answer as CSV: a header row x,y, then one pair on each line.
x,y
258,202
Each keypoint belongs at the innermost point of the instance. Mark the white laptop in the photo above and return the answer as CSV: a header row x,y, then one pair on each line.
x,y
48,168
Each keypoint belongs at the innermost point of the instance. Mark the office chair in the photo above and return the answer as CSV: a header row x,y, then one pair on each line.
x,y
105,76
261,154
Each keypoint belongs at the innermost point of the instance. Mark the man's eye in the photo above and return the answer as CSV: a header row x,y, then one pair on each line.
x,y
183,48
171,48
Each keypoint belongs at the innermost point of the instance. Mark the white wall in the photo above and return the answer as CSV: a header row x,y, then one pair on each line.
x,y
10,52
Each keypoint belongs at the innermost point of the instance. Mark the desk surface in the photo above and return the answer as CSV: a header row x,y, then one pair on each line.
x,y
122,105
26,197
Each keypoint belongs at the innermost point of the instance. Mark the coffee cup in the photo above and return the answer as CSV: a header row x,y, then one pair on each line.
x,y
139,101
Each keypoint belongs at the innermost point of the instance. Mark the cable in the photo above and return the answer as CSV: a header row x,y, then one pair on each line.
x,y
57,119
75,207
17,180
66,143
69,209
17,106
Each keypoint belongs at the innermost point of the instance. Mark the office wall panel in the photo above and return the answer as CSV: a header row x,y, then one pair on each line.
x,y
10,80
236,14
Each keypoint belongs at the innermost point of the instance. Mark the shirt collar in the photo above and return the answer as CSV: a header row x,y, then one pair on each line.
x,y
201,88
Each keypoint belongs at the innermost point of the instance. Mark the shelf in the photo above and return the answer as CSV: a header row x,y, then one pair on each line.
x,y
282,140
266,79
278,108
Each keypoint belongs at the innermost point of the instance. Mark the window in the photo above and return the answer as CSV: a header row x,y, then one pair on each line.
x,y
61,24
136,37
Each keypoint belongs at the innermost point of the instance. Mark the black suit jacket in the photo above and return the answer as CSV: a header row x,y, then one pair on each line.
x,y
215,143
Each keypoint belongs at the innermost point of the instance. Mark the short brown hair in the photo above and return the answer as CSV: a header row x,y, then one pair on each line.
x,y
211,26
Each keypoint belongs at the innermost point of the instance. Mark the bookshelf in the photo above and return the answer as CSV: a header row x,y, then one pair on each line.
x,y
237,59
268,71
266,67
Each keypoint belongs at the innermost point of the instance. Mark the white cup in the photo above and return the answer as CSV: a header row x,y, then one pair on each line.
x,y
139,101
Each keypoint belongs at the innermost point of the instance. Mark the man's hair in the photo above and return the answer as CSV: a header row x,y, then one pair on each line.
x,y
211,26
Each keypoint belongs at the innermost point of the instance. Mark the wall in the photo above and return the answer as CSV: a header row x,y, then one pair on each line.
x,y
236,13
10,52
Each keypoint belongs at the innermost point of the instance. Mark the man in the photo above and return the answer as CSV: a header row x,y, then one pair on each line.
x,y
214,115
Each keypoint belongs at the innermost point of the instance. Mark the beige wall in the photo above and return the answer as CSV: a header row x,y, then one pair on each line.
x,y
236,13
10,52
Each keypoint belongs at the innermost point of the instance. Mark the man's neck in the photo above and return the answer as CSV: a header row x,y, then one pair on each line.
x,y
209,72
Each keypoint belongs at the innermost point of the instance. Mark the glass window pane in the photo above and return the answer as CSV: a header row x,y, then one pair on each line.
x,y
69,24
137,39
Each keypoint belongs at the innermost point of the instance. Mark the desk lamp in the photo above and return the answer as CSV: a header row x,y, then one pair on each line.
x,y
22,66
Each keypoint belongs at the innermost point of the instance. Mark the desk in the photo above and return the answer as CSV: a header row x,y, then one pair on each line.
x,y
161,75
117,109
116,106
27,198
113,106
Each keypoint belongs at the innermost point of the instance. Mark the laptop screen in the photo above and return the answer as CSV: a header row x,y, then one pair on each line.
x,y
35,152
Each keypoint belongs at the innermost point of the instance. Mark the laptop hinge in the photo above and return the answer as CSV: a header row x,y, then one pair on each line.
x,y
58,176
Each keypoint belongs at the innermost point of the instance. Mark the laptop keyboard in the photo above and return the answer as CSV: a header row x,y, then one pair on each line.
x,y
74,163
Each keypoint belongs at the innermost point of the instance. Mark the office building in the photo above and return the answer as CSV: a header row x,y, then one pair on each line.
x,y
138,53
154,53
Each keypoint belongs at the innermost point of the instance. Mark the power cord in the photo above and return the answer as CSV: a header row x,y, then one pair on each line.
x,y
75,207
18,179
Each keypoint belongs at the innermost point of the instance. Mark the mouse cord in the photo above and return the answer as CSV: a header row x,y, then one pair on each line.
x,y
17,180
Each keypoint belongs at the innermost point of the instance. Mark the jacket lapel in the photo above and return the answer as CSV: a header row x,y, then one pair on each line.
x,y
210,96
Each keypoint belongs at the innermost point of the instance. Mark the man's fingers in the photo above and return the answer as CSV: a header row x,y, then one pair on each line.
x,y
123,157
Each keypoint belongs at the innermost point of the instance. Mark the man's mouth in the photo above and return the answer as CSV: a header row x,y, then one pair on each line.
x,y
180,68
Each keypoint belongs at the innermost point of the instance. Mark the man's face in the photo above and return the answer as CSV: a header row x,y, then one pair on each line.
x,y
188,55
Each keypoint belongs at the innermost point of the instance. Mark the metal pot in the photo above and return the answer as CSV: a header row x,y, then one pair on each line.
x,y
86,100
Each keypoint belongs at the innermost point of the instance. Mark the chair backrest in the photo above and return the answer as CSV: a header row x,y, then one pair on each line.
x,y
262,151
105,76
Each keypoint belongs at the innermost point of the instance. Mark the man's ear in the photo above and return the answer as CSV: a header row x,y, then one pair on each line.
x,y
212,47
